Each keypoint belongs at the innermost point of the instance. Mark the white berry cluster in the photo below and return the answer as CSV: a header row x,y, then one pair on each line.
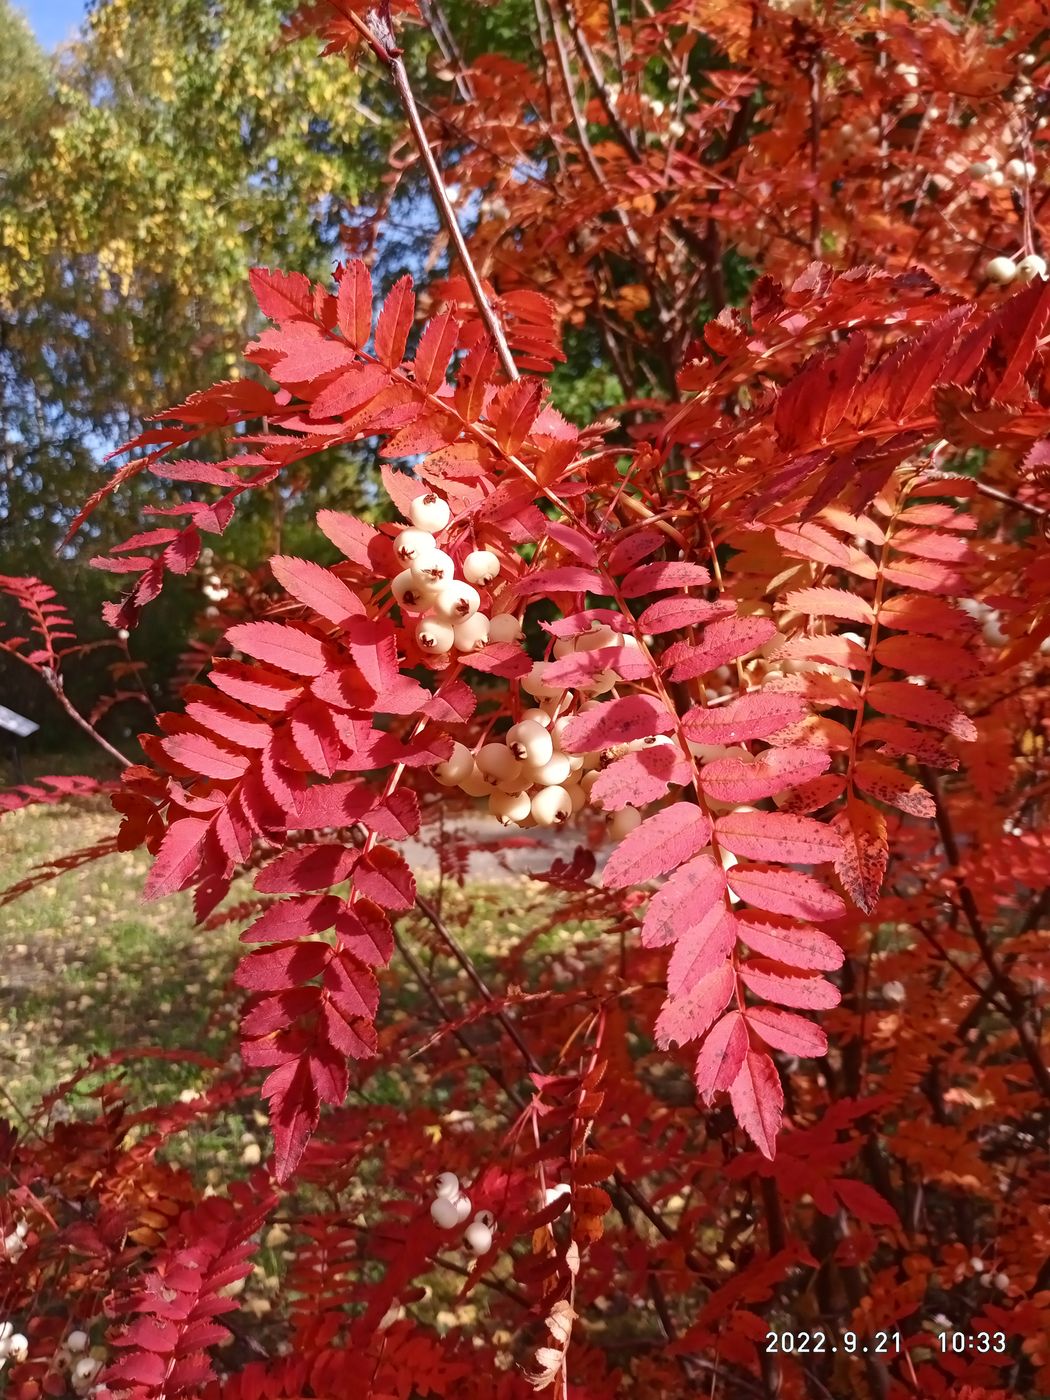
x,y
1003,270
450,608
14,1346
15,1242
83,1368
451,1208
526,774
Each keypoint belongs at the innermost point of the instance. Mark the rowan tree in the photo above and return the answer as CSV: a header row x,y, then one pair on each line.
x,y
758,1104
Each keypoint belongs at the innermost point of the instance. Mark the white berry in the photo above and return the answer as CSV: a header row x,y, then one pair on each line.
x,y
411,543
623,822
473,634
462,1204
531,742
540,716
551,806
536,685
481,566
409,593
1018,170
77,1341
429,512
497,761
454,602
504,627
456,767
435,637
996,179
552,773
444,1213
1031,267
1001,270
432,567
478,1237
18,1347
447,1185
510,807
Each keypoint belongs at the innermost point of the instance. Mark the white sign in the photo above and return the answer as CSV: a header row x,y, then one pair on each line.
x,y
16,724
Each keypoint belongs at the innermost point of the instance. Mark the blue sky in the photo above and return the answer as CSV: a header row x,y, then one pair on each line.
x,y
52,20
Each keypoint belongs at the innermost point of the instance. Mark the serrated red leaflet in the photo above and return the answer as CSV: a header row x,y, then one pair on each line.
x,y
454,703
862,1201
777,836
282,645
812,405
228,719
383,877
893,787
351,985
721,1056
754,716
198,754
579,667
735,780
282,966
811,796
918,703
661,843
314,867
652,578
633,548
700,949
902,741
301,353
689,1017
672,614
513,412
939,660
830,602
784,989
316,738
757,1097
505,659
178,858
931,544
861,863
395,322
568,579
926,575
788,892
792,944
291,918
352,537
641,777
373,646
434,351
785,1031
364,930
317,587
811,541
915,612
355,304
255,685
693,889
282,296
617,722
724,640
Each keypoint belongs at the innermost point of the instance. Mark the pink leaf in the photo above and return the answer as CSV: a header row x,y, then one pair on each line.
x,y
785,1031
721,1056
178,859
757,1097
285,646
661,843
202,755
830,602
395,322
569,579
788,892
734,780
791,944
617,722
754,716
651,578
641,777
671,614
317,587
685,898
809,993
700,949
724,640
777,836
687,1018
917,702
